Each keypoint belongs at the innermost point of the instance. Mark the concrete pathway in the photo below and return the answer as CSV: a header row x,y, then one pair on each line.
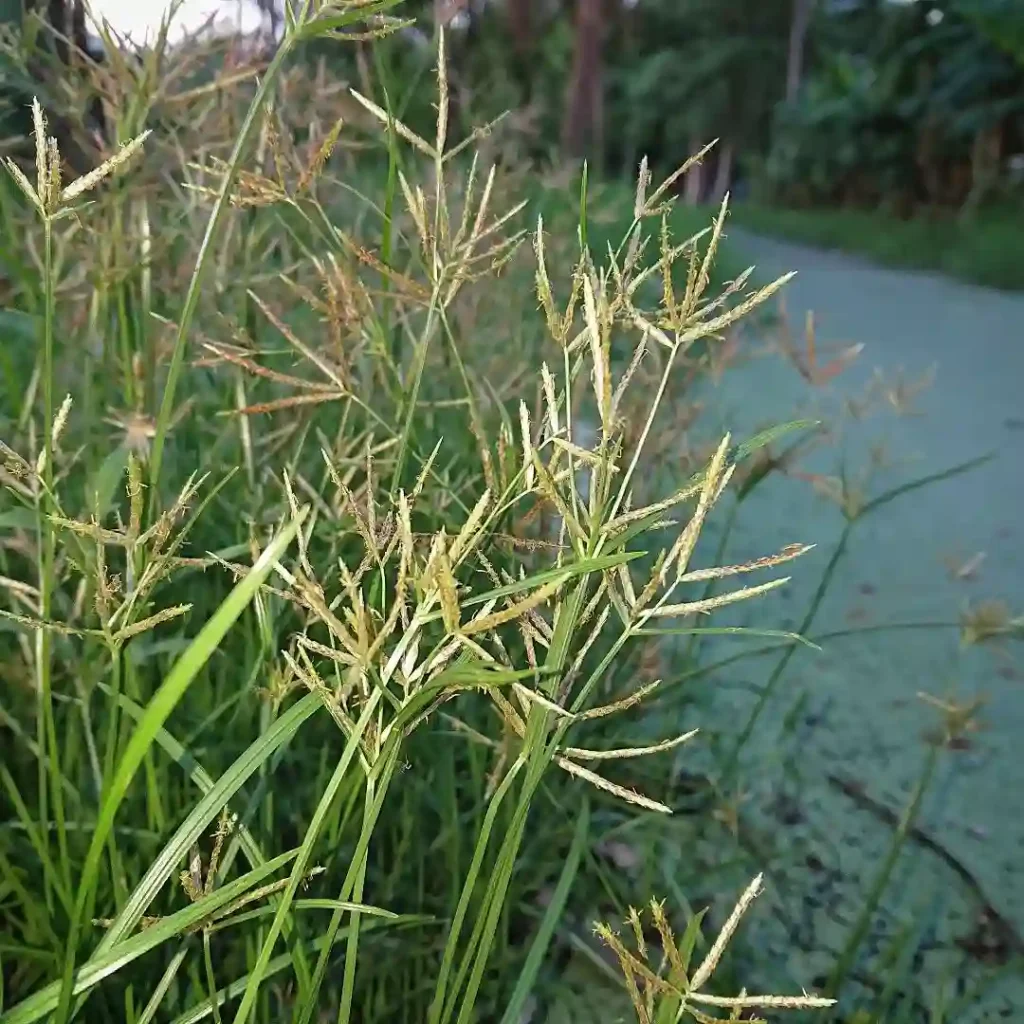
x,y
852,712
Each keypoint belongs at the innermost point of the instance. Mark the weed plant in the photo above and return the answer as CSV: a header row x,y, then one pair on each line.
x,y
338,591
341,624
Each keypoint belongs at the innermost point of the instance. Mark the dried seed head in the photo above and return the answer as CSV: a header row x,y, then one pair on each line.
x,y
718,601
550,399
466,538
51,198
60,420
683,548
638,932
487,621
988,620
192,879
544,295
42,157
643,181
652,208
447,588
144,625
530,470
23,183
442,97
387,119
601,372
707,967
320,158
114,165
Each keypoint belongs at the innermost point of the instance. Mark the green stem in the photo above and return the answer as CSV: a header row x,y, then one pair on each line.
x,y
391,331
497,890
46,733
211,979
375,791
412,397
881,881
440,1009
771,685
539,750
298,872
355,872
113,743
155,814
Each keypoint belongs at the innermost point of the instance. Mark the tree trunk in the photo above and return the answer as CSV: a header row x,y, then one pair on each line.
x,y
723,172
65,40
521,31
798,26
581,124
57,17
929,167
520,26
693,188
986,154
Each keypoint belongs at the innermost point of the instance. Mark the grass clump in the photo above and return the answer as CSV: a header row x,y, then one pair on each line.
x,y
980,249
346,609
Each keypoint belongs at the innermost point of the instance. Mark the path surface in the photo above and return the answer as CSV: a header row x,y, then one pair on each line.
x,y
862,720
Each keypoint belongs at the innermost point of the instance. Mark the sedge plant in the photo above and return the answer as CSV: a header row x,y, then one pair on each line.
x,y
237,687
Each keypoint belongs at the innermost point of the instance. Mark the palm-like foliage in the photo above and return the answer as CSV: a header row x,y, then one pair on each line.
x,y
700,69
920,111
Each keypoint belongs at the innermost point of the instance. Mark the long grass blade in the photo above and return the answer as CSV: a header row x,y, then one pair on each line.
x,y
203,813
94,970
549,922
305,853
181,676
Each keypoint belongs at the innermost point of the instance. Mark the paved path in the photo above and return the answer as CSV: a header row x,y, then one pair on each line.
x,y
862,720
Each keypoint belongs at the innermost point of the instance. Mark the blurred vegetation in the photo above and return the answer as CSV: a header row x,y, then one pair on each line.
x,y
914,111
911,107
914,108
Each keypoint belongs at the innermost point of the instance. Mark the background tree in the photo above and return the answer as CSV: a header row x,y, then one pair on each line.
x,y
911,106
47,45
700,70
917,106
582,127
801,22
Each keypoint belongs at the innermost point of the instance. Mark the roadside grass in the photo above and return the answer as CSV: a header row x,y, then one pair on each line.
x,y
326,587
982,249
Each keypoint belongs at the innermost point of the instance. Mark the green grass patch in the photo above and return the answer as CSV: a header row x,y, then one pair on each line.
x,y
984,249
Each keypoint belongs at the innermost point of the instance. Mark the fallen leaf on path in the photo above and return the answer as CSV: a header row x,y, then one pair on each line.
x,y
964,570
